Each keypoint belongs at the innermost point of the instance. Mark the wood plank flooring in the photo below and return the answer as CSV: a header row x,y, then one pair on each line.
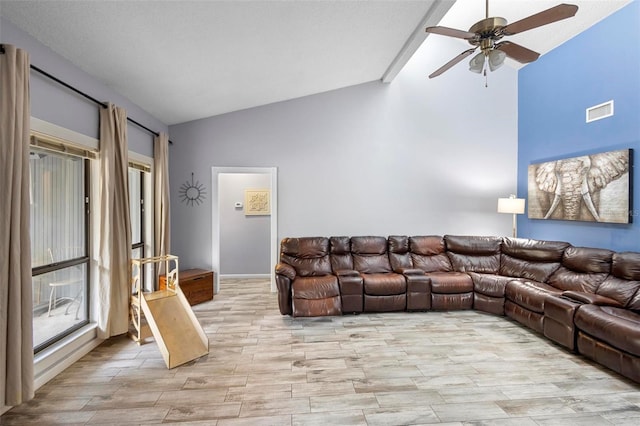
x,y
457,368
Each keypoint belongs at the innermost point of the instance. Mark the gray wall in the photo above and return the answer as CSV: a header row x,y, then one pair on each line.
x,y
244,240
58,105
416,156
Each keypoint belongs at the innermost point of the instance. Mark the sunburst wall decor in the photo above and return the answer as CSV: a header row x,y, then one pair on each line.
x,y
192,192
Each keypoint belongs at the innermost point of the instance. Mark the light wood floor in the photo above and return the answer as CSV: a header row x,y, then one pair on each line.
x,y
457,368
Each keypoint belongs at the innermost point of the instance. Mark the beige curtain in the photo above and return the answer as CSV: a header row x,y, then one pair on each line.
x,y
16,304
114,259
161,187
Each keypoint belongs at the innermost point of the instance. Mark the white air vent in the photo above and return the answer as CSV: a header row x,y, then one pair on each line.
x,y
600,111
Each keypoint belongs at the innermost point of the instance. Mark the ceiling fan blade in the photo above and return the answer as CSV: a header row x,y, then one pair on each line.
x,y
452,62
450,32
517,52
557,13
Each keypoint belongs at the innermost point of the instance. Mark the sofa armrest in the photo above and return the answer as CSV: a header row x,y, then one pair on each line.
x,y
591,298
347,273
283,284
286,270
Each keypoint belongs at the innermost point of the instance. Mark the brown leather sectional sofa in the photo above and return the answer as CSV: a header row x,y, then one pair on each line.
x,y
585,299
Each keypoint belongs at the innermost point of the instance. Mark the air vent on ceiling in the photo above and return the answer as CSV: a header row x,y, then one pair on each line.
x,y
600,111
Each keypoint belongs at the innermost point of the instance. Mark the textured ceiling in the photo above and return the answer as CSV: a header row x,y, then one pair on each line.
x,y
185,60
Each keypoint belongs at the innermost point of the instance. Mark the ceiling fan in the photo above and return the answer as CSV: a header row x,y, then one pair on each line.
x,y
485,34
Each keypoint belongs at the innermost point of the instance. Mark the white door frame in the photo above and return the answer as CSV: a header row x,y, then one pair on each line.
x,y
215,219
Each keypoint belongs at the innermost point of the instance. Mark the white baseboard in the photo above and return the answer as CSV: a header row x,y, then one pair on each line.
x,y
246,276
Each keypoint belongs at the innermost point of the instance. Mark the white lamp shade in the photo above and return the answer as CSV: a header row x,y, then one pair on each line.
x,y
496,59
476,64
511,205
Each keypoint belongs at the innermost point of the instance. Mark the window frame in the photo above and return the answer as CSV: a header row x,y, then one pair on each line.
x,y
81,260
144,165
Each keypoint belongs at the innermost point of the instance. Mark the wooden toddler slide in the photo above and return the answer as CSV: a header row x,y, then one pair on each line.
x,y
168,316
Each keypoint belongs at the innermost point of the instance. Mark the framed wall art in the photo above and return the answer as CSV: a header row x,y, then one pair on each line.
x,y
257,202
592,188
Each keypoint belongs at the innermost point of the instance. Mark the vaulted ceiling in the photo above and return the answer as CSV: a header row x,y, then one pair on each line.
x,y
185,60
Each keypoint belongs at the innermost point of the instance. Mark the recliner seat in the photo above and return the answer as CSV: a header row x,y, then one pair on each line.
x,y
384,290
305,281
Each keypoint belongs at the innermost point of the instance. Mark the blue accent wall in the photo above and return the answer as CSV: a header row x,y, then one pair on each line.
x,y
598,65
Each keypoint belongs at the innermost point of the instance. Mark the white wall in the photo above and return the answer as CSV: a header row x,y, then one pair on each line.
x,y
416,156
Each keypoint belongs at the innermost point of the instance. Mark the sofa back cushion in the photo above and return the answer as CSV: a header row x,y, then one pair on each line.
x,y
623,284
626,265
370,255
582,269
429,253
530,259
473,253
309,256
340,254
399,257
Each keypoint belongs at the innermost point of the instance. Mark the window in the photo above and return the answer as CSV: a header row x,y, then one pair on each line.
x,y
139,178
136,213
59,197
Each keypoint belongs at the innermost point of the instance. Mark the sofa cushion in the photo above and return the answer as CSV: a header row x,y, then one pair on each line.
x,y
587,260
623,284
474,254
566,279
583,269
450,282
368,245
308,255
530,270
370,255
428,245
618,327
474,245
429,254
489,284
305,247
399,253
340,254
621,290
530,259
529,294
372,264
534,250
398,244
315,287
626,265
384,284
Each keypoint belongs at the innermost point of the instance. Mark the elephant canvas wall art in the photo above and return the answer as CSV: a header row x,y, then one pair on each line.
x,y
593,188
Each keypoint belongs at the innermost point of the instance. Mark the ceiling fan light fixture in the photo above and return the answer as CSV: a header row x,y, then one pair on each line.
x,y
476,64
496,59
486,33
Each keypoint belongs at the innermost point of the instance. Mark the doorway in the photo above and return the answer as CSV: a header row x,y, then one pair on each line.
x,y
218,177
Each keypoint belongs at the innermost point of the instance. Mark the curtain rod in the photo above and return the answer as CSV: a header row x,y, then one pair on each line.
x,y
91,98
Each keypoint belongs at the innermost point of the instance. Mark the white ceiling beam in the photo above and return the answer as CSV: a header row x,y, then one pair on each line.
x,y
436,12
